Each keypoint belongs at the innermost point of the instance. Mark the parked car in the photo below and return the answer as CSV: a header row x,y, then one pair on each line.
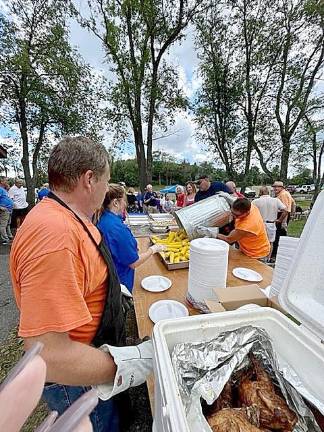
x,y
291,188
305,189
249,193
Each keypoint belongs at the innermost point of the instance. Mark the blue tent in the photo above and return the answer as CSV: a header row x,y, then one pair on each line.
x,y
169,189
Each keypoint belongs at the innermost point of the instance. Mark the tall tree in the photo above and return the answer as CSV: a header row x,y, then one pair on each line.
x,y
136,36
240,46
216,106
310,148
46,89
259,47
301,61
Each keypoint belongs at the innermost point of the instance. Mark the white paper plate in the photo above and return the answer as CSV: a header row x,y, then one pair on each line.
x,y
156,283
167,309
247,274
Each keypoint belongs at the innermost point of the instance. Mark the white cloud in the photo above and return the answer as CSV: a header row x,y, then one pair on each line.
x,y
88,45
183,144
184,53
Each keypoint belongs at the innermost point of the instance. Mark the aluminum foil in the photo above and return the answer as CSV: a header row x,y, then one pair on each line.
x,y
202,370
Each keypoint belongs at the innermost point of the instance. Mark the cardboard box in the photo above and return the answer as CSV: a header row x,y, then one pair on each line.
x,y
232,298
215,306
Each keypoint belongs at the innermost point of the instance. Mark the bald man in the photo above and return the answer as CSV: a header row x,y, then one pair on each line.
x,y
232,188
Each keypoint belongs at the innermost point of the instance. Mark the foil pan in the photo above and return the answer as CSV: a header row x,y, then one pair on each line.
x,y
202,370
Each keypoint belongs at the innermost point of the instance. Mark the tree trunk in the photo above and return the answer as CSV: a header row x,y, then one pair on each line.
x,y
249,148
30,185
140,156
37,148
319,178
284,158
149,137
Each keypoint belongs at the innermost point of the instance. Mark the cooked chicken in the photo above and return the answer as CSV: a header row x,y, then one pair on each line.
x,y
274,412
233,420
224,400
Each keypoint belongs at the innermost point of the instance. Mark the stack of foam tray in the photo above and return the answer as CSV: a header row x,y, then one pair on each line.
x,y
285,256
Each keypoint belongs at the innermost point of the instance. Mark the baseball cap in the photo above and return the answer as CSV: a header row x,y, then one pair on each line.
x,y
202,177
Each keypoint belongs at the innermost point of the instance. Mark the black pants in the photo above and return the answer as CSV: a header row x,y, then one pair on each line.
x,y
280,232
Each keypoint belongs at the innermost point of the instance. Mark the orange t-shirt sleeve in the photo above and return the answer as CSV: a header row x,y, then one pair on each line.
x,y
52,290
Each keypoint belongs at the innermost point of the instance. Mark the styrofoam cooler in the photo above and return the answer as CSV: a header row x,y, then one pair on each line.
x,y
302,294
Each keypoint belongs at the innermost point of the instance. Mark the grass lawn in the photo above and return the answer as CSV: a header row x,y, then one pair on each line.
x,y
295,227
304,204
10,352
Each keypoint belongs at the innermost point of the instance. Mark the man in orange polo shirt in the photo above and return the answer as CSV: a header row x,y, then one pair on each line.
x,y
60,280
249,232
281,228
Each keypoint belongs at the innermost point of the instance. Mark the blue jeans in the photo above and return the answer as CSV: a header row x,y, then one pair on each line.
x,y
104,417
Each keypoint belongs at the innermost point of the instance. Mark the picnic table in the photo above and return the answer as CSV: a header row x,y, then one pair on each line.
x,y
154,266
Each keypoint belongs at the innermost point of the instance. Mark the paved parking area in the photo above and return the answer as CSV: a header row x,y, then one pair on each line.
x,y
8,309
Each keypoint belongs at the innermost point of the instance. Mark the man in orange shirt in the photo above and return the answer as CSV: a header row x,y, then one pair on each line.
x,y
285,197
67,291
249,232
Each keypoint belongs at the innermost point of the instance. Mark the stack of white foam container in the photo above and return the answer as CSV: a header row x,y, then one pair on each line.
x,y
207,268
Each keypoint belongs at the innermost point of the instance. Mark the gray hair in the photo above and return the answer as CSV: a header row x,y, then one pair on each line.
x,y
72,157
264,190
231,186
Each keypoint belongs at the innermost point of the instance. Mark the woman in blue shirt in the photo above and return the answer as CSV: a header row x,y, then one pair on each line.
x,y
119,237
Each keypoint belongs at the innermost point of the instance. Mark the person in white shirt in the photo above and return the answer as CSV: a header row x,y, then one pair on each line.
x,y
273,212
168,204
20,205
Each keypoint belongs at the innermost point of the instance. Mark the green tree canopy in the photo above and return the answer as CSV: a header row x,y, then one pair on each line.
x,y
46,89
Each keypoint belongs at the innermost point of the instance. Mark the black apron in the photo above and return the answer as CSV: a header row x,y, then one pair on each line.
x,y
112,328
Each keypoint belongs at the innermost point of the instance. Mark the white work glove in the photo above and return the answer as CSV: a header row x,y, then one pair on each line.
x,y
211,232
229,198
134,365
158,248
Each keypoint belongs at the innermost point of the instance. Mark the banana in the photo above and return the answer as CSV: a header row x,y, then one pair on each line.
x,y
171,257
